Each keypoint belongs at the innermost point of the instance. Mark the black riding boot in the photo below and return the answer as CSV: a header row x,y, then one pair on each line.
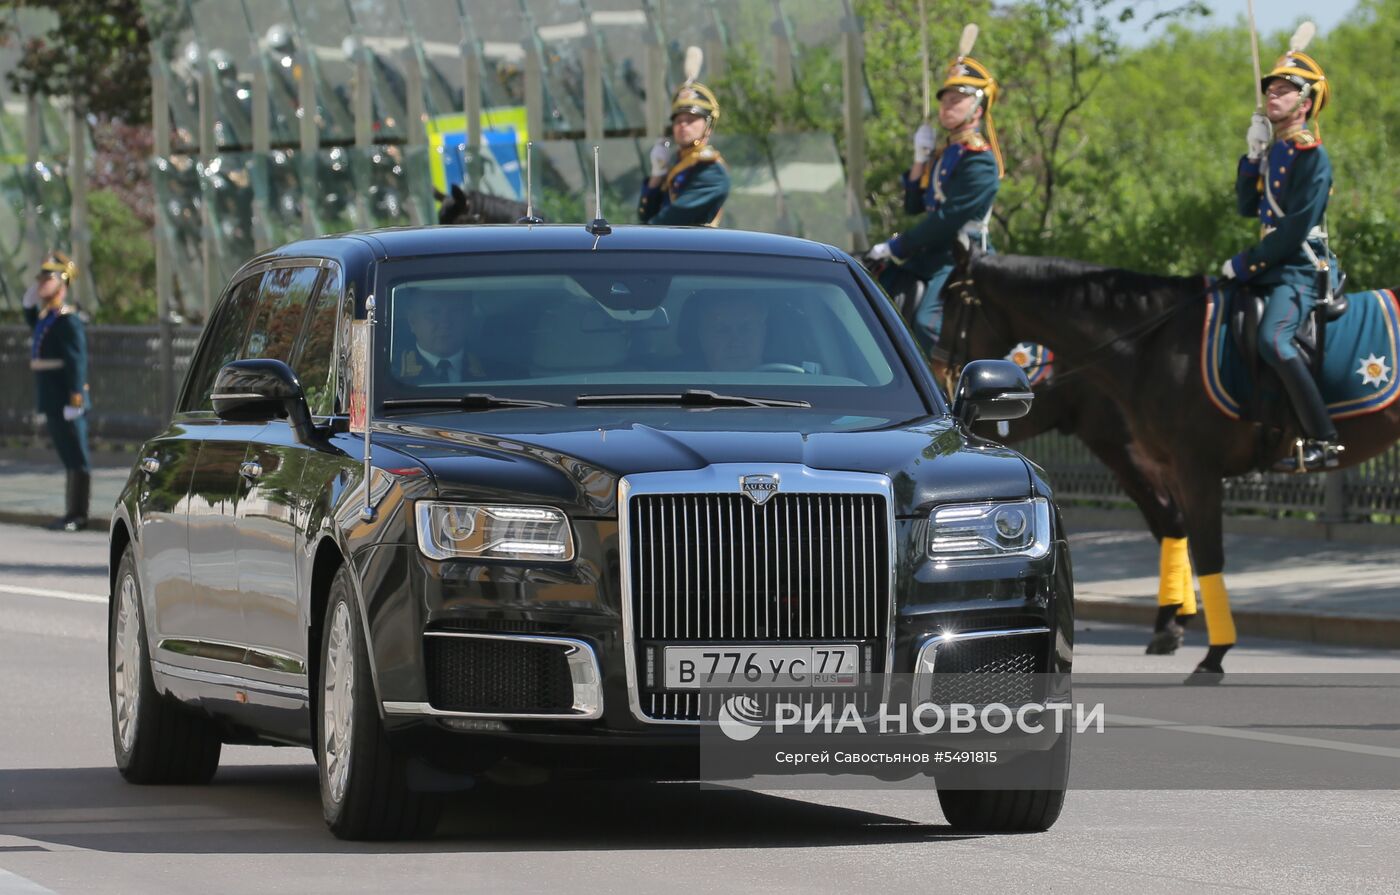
x,y
75,516
1320,450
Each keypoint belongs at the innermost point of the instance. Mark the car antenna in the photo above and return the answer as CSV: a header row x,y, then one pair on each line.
x,y
598,226
530,217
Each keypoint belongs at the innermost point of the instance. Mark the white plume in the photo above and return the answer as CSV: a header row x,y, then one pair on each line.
x,y
1302,37
694,58
969,40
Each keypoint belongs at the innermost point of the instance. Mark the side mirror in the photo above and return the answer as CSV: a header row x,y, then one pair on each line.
x,y
255,391
992,390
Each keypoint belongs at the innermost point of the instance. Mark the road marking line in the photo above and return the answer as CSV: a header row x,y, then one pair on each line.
x,y
1282,739
14,884
52,594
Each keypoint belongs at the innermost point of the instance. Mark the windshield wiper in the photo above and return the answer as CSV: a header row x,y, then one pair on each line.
x,y
693,397
472,401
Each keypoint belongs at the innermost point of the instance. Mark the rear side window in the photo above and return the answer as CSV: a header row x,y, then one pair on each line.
x,y
313,362
221,344
281,309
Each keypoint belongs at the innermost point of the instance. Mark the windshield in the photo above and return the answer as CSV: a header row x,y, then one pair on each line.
x,y
578,327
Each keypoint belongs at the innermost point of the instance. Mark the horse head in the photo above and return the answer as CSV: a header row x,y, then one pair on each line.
x,y
475,207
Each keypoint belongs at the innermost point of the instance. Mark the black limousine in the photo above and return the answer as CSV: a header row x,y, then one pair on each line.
x,y
433,499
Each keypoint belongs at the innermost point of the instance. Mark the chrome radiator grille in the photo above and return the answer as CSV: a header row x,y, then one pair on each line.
x,y
805,567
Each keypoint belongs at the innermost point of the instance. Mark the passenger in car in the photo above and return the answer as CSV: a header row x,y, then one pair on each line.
x,y
438,324
728,330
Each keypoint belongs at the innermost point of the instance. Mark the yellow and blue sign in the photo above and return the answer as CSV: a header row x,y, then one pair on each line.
x,y
503,131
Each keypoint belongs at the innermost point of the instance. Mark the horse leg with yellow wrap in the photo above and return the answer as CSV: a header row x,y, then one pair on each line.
x,y
1199,491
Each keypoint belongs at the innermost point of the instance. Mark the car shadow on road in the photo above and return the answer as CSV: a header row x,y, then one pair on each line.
x,y
276,809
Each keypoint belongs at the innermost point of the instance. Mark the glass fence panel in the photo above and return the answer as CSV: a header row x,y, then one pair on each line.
x,y
384,29
284,196
325,29
754,198
436,26
179,204
623,33
227,187
813,185
499,30
274,30
557,32
221,30
14,278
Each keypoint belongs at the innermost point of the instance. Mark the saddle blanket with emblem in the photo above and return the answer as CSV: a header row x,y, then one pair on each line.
x,y
1037,360
1358,367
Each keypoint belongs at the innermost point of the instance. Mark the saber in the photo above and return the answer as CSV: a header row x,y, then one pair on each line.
x,y
1254,50
923,53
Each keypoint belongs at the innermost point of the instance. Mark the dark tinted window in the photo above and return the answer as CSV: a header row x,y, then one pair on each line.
x,y
281,308
313,364
221,344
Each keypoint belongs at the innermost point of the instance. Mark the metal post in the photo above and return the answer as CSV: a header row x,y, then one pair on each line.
x,y
306,97
262,148
160,132
364,130
417,117
208,149
79,233
31,159
472,164
1334,497
853,93
782,52
654,81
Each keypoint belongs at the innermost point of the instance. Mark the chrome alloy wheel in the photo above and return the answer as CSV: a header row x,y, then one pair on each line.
x,y
337,701
126,662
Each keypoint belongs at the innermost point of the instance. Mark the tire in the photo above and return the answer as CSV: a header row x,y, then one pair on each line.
x,y
992,810
156,740
364,782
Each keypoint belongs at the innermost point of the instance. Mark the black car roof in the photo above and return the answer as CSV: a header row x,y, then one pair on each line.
x,y
407,242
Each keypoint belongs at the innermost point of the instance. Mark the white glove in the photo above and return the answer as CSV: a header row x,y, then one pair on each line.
x,y
1259,136
880,251
31,296
661,158
923,143
71,413
1227,270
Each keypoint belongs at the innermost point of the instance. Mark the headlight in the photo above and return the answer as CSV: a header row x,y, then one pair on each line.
x,y
977,531
471,531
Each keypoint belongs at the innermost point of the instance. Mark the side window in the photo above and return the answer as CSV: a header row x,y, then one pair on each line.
x,y
221,344
315,357
285,291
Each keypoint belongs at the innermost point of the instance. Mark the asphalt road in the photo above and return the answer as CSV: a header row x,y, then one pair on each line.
x,y
68,823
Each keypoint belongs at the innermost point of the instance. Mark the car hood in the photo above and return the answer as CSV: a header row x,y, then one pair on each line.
x,y
574,458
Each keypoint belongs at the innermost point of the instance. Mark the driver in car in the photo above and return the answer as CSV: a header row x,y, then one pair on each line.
x,y
439,353
732,332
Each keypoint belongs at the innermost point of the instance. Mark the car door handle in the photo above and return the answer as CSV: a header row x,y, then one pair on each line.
x,y
150,465
250,469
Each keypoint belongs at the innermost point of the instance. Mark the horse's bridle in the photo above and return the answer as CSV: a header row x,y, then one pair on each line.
x,y
969,304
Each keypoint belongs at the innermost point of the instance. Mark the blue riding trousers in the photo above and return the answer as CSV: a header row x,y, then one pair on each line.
x,y
69,439
1286,308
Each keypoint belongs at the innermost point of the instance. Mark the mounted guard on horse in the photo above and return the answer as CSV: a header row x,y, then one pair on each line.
x,y
953,188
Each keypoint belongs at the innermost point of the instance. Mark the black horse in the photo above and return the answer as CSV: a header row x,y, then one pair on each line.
x,y
1074,405
1137,338
473,207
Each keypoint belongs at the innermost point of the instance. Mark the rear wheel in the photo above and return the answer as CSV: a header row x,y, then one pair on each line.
x,y
364,782
156,740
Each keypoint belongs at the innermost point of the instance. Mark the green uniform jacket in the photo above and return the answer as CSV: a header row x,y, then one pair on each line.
x,y
695,197
960,194
58,357
1289,205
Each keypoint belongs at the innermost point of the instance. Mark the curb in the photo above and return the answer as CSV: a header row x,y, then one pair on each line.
x,y
39,520
1337,630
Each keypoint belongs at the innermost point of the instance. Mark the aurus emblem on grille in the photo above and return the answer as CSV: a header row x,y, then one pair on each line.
x,y
759,487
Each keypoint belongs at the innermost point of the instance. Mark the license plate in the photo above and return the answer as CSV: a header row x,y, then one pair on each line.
x,y
778,667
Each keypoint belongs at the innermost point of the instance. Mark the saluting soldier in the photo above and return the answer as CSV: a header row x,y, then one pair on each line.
x,y
954,190
1285,178
58,357
690,187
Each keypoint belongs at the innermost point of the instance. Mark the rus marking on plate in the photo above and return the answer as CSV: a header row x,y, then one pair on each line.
x,y
759,487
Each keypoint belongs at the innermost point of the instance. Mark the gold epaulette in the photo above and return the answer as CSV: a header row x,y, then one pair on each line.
x,y
1305,140
975,142
708,153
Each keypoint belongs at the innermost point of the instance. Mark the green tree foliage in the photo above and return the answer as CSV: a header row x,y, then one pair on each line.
x,y
97,56
123,257
1127,156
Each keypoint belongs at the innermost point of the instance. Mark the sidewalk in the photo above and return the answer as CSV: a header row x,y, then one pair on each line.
x,y
1341,592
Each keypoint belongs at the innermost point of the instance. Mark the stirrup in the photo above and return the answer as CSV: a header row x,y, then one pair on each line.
x,y
1310,455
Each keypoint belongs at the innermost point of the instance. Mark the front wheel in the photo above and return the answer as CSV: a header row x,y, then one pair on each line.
x,y
992,810
155,739
364,782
